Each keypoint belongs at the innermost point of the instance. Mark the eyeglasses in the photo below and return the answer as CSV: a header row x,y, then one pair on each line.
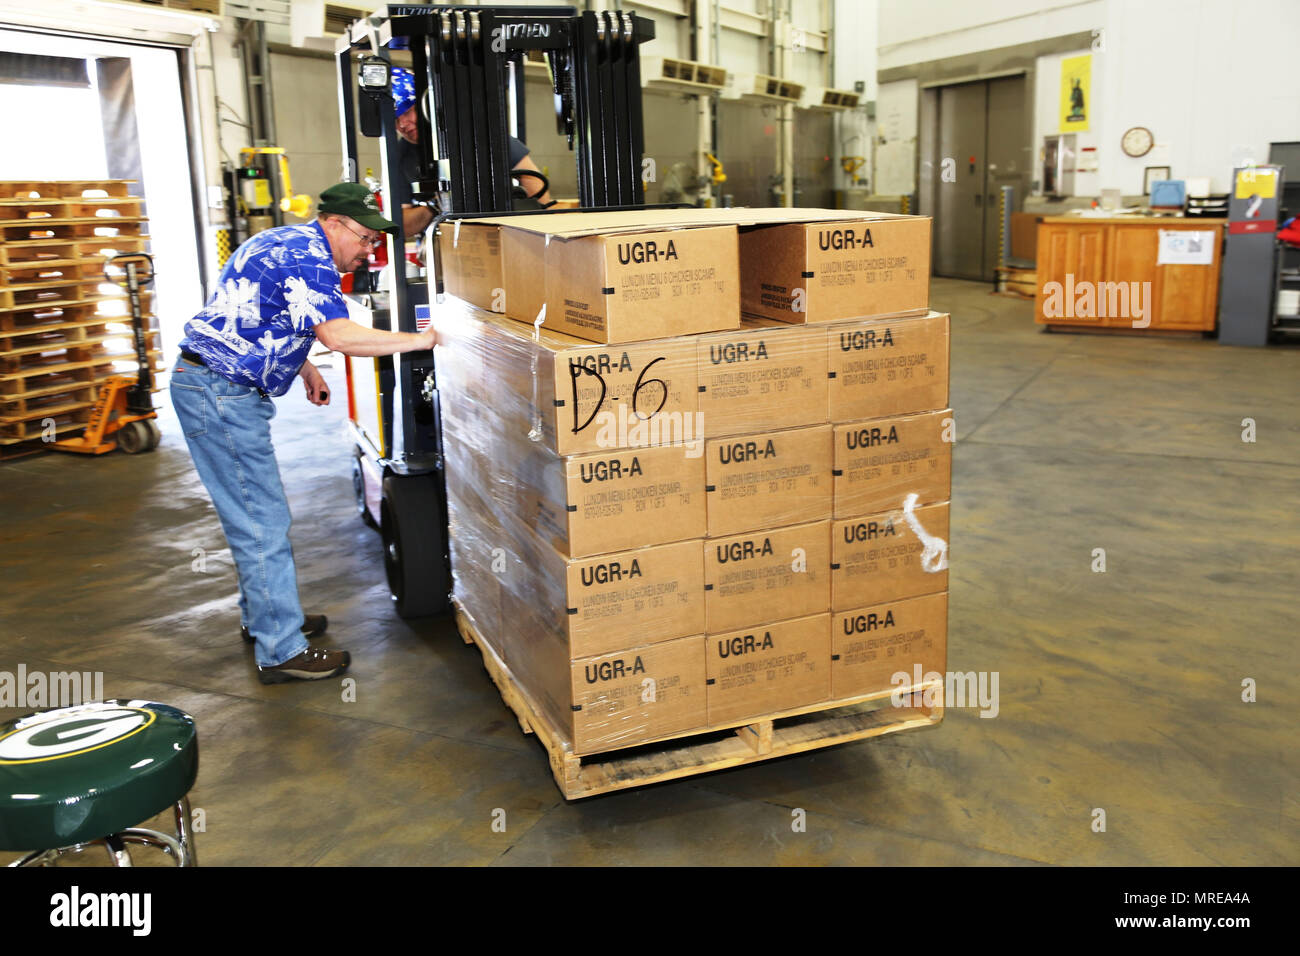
x,y
365,240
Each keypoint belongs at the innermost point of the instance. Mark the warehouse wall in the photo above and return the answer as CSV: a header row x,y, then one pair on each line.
x,y
814,134
854,43
920,30
307,120
1236,93
747,142
896,118
1046,98
670,135
1213,85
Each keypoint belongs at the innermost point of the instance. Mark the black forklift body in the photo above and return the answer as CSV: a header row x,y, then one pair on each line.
x,y
468,65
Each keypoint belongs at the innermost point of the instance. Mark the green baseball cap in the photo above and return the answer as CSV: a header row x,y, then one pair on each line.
x,y
357,202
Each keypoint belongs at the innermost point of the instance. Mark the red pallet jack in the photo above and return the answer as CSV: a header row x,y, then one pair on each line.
x,y
124,416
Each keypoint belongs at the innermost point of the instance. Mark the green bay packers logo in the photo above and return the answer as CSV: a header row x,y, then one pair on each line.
x,y
57,734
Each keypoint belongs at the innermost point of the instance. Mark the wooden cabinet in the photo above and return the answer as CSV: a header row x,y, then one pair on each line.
x,y
1069,258
1103,273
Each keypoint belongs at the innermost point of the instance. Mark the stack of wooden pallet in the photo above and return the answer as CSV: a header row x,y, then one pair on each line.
x,y
64,328
706,516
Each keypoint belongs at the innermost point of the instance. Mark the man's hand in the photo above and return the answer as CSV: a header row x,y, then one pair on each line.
x,y
317,391
430,336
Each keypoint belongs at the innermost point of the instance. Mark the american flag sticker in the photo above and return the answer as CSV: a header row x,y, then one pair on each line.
x,y
422,318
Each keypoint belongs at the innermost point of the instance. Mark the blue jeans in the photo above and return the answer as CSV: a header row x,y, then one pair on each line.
x,y
228,429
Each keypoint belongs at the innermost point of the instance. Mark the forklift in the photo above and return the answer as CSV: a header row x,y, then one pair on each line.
x,y
468,64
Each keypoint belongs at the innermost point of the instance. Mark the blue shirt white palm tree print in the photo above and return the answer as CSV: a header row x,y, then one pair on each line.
x,y
258,326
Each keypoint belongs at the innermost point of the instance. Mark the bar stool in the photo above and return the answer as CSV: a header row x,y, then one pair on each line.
x,y
83,776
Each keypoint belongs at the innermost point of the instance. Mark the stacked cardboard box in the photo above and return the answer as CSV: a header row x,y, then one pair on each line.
x,y
729,517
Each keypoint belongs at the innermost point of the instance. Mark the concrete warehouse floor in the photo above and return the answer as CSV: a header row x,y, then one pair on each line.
x,y
1119,690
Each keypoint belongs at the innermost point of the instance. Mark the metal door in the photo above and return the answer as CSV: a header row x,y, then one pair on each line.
x,y
959,205
1007,159
982,139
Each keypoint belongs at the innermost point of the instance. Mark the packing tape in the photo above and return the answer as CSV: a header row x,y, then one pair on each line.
x,y
934,553
535,432
455,234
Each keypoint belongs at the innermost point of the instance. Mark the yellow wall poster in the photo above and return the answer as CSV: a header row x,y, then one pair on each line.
x,y
1076,93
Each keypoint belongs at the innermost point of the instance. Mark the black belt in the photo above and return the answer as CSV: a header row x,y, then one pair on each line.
x,y
198,360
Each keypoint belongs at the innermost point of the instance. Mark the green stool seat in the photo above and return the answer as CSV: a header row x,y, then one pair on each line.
x,y
89,774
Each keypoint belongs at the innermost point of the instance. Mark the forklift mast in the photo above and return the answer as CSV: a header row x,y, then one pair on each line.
x,y
473,60
468,65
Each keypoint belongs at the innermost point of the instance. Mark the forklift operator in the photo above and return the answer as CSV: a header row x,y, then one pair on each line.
x,y
278,293
415,219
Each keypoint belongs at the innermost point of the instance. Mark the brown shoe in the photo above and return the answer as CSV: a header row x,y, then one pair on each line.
x,y
313,625
314,663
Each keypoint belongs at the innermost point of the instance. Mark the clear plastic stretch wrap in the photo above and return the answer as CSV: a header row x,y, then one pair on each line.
x,y
641,583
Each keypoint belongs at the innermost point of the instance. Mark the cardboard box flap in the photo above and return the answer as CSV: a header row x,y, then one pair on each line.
x,y
584,224
590,223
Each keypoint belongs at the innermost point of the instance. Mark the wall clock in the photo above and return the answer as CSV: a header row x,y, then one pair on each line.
x,y
1137,141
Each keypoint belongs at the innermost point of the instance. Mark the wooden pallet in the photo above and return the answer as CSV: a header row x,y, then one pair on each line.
x,y
59,294
22,448
79,228
74,208
65,416
40,293
26,407
66,340
1017,283
42,309
19,378
19,251
718,748
22,190
16,325
51,270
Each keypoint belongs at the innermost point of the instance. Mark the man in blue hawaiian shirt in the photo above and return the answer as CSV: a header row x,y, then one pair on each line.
x,y
278,294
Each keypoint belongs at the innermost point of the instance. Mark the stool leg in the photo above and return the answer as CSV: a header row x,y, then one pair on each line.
x,y
117,851
37,858
185,833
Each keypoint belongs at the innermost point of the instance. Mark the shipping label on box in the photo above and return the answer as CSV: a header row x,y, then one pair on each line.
x,y
633,286
769,480
619,500
824,271
887,367
766,576
765,376
773,667
879,557
878,463
872,645
634,597
630,696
